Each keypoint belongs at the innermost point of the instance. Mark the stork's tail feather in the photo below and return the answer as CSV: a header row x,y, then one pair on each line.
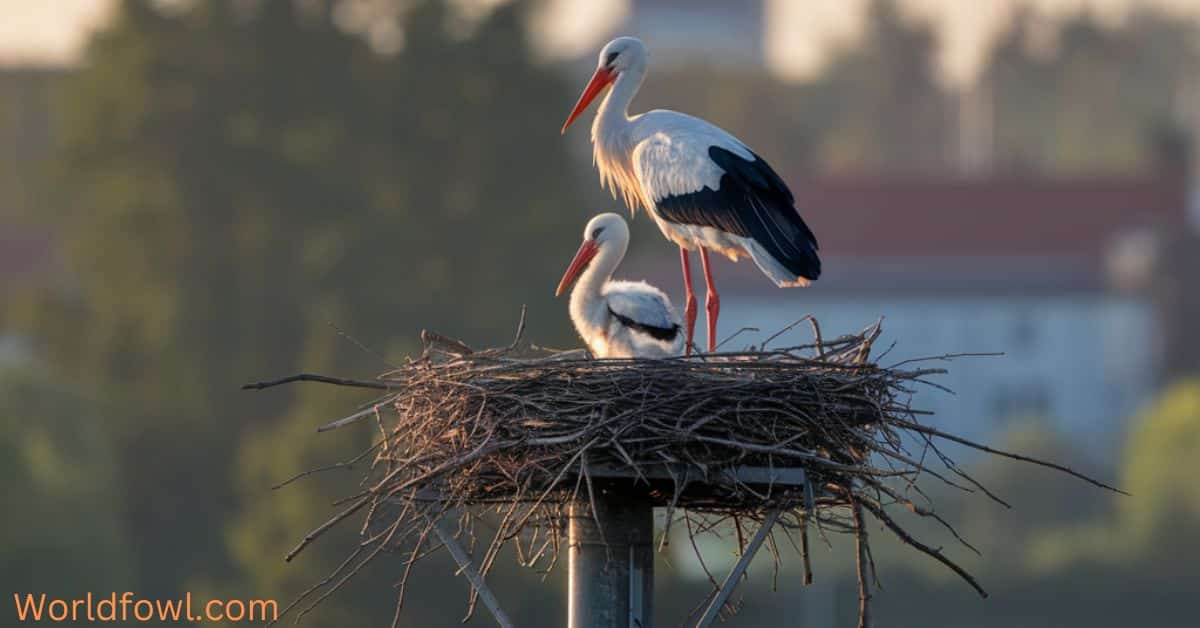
x,y
797,272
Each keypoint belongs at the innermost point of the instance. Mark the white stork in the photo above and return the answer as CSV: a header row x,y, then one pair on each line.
x,y
703,186
617,319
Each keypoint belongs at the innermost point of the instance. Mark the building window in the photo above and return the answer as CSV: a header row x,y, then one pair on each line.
x,y
1024,332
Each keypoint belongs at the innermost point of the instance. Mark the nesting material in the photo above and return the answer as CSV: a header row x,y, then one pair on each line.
x,y
516,434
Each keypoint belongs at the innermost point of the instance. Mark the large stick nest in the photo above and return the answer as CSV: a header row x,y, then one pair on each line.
x,y
517,434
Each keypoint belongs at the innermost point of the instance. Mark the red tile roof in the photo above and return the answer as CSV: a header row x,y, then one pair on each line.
x,y
987,217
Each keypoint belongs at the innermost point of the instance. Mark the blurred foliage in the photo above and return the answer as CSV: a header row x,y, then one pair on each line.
x,y
891,112
1070,554
1087,98
1155,529
1003,535
1163,449
62,527
1066,553
25,142
234,177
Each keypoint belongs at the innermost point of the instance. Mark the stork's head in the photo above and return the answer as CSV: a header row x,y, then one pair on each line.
x,y
606,235
623,54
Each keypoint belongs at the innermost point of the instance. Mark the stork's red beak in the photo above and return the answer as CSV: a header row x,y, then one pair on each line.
x,y
600,80
586,252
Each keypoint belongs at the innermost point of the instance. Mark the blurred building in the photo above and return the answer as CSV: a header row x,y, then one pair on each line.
x,y
1056,274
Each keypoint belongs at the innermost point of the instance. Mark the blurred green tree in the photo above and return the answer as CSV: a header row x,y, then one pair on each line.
x,y
236,176
1002,535
892,110
26,127
1081,97
62,527
1162,458
1155,528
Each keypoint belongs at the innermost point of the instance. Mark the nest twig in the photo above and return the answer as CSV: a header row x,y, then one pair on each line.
x,y
516,434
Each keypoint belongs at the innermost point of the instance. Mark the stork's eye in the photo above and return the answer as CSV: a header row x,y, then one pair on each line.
x,y
612,56
596,232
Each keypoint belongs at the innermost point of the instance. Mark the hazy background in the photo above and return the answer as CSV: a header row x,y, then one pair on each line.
x,y
196,194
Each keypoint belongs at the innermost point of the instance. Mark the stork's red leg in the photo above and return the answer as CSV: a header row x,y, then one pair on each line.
x,y
689,309
712,301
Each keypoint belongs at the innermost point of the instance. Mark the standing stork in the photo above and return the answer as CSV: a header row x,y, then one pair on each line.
x,y
617,319
703,186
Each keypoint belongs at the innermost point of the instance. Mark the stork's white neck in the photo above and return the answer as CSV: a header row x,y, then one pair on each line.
x,y
612,141
613,115
589,310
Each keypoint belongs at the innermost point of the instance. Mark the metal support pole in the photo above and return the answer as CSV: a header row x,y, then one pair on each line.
x,y
611,559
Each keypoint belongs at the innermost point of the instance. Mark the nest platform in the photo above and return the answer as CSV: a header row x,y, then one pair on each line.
x,y
814,434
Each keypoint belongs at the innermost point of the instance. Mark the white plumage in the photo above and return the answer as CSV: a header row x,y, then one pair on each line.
x,y
618,319
704,188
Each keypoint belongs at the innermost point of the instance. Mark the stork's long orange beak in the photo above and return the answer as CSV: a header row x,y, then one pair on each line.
x,y
586,252
601,79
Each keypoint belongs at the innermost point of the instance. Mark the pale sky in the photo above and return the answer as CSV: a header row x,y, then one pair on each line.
x,y
53,31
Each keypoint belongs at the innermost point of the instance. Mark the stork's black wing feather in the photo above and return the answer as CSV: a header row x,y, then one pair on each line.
x,y
751,201
665,334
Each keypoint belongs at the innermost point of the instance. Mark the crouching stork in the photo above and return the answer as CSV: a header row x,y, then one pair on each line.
x,y
617,319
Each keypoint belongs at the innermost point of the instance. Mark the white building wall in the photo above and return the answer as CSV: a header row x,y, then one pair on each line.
x,y
1085,363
